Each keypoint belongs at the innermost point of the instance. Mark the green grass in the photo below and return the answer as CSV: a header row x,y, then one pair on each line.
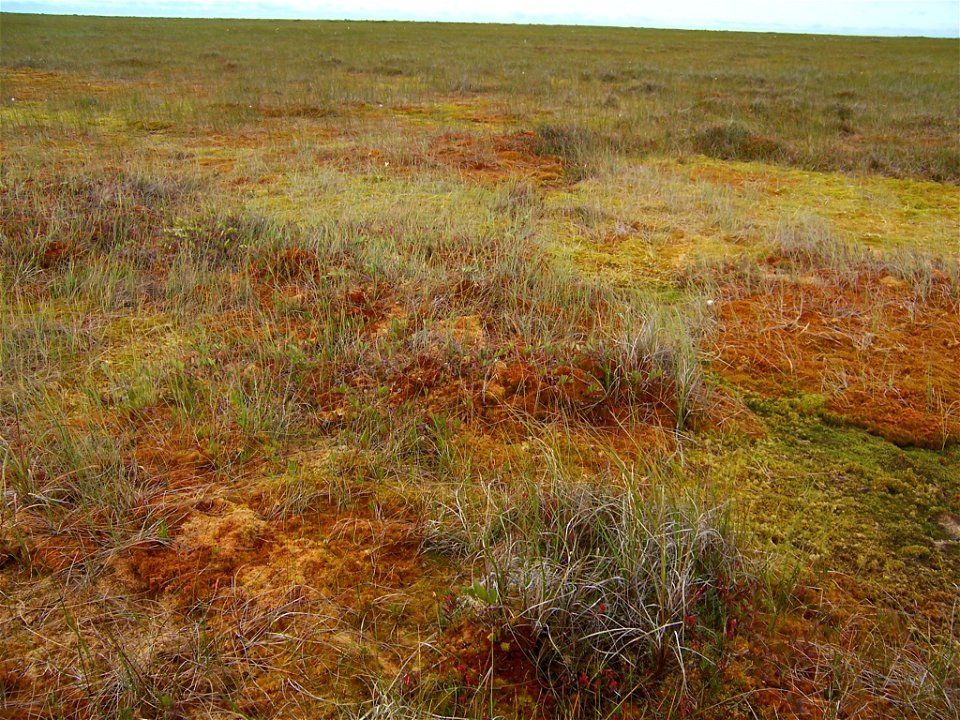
x,y
822,103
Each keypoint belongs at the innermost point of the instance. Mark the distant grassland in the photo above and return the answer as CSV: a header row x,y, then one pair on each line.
x,y
879,105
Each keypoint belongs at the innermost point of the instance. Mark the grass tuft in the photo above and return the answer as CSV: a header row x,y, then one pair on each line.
x,y
733,141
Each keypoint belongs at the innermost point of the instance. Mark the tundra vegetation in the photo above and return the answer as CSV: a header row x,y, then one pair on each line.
x,y
384,370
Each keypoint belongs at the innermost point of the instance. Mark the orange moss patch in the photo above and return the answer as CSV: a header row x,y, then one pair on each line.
x,y
295,111
56,553
743,178
464,111
358,578
543,388
291,265
883,360
205,555
491,117
55,253
350,557
177,462
29,85
540,390
826,654
476,157
497,156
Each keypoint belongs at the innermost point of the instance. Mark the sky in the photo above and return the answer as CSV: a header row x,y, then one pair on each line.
x,y
940,18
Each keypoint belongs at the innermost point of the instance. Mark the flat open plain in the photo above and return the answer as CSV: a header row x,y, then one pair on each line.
x,y
389,370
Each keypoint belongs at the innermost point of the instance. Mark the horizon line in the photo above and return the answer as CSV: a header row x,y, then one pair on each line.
x,y
734,28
